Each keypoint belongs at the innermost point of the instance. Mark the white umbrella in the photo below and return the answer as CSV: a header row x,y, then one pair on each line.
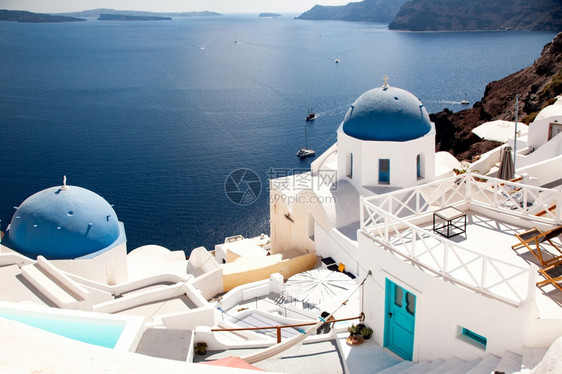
x,y
500,130
318,285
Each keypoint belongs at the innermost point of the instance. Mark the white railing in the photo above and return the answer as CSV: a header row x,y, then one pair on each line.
x,y
390,219
520,199
454,263
508,197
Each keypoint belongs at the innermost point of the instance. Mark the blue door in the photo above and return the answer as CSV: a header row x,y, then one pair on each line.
x,y
400,308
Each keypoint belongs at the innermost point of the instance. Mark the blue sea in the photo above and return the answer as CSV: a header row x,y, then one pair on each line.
x,y
154,116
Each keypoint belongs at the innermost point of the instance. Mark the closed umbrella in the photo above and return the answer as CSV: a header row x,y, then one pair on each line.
x,y
506,170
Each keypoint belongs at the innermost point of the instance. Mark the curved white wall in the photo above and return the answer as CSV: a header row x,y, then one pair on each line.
x,y
402,155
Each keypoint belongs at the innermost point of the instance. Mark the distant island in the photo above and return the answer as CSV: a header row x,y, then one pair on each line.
x,y
23,16
448,15
123,17
270,15
365,11
96,13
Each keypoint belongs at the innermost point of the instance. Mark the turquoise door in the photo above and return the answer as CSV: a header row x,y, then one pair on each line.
x,y
400,308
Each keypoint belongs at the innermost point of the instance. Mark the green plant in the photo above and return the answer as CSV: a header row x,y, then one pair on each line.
x,y
459,171
201,348
353,329
366,332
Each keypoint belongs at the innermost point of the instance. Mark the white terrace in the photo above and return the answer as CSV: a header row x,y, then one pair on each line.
x,y
480,259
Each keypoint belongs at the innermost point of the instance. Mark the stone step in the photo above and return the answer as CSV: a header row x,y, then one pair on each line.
x,y
227,337
422,367
397,368
447,365
463,368
486,365
531,357
509,363
48,285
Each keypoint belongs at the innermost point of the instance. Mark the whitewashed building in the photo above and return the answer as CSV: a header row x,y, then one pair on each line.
x,y
434,248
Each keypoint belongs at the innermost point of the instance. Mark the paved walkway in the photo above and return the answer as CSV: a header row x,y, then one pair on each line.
x,y
366,358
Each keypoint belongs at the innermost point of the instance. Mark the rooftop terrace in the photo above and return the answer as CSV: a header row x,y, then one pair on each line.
x,y
480,259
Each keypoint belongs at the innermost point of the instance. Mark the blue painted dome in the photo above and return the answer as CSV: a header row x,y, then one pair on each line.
x,y
63,223
387,114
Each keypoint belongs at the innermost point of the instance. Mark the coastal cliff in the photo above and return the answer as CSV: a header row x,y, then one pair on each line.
x,y
537,86
448,15
365,11
442,15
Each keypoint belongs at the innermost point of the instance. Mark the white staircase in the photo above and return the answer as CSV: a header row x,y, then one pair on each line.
x,y
531,357
509,363
58,287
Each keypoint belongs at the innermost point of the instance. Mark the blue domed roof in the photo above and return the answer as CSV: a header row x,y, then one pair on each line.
x,y
63,223
387,114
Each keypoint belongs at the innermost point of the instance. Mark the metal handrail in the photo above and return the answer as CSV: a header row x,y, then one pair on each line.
x,y
279,327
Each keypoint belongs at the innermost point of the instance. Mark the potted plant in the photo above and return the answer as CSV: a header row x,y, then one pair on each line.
x,y
366,332
354,335
201,348
353,330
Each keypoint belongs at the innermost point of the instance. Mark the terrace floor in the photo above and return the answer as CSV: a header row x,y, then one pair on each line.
x,y
491,237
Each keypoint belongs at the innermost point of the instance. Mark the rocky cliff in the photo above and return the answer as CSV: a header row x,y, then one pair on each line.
x,y
366,11
537,86
440,15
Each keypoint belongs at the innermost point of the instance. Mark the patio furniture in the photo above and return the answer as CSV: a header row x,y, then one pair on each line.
x,y
532,239
449,222
553,275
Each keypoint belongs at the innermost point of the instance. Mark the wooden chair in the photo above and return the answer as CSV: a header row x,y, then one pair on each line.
x,y
553,275
533,238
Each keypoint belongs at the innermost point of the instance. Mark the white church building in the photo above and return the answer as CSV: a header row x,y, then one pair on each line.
x,y
434,248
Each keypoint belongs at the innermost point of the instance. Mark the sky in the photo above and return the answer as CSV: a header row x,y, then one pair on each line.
x,y
221,6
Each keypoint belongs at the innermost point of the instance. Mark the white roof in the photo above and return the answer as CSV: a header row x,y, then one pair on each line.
x,y
553,110
500,130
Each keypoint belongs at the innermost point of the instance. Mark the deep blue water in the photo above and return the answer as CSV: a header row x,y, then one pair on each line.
x,y
153,116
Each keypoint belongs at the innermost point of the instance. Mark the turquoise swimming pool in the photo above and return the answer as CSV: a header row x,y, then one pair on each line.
x,y
104,333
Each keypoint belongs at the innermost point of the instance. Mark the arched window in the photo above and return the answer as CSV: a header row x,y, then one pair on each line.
x,y
350,166
384,171
419,172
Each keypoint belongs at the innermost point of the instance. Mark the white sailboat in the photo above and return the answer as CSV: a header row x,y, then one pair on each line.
x,y
305,152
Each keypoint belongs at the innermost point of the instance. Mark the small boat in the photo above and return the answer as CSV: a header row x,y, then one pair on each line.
x,y
305,152
465,102
337,60
311,117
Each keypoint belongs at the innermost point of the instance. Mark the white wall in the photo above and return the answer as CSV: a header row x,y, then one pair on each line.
x,y
402,155
209,284
539,129
290,216
545,171
107,268
336,245
189,320
441,308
